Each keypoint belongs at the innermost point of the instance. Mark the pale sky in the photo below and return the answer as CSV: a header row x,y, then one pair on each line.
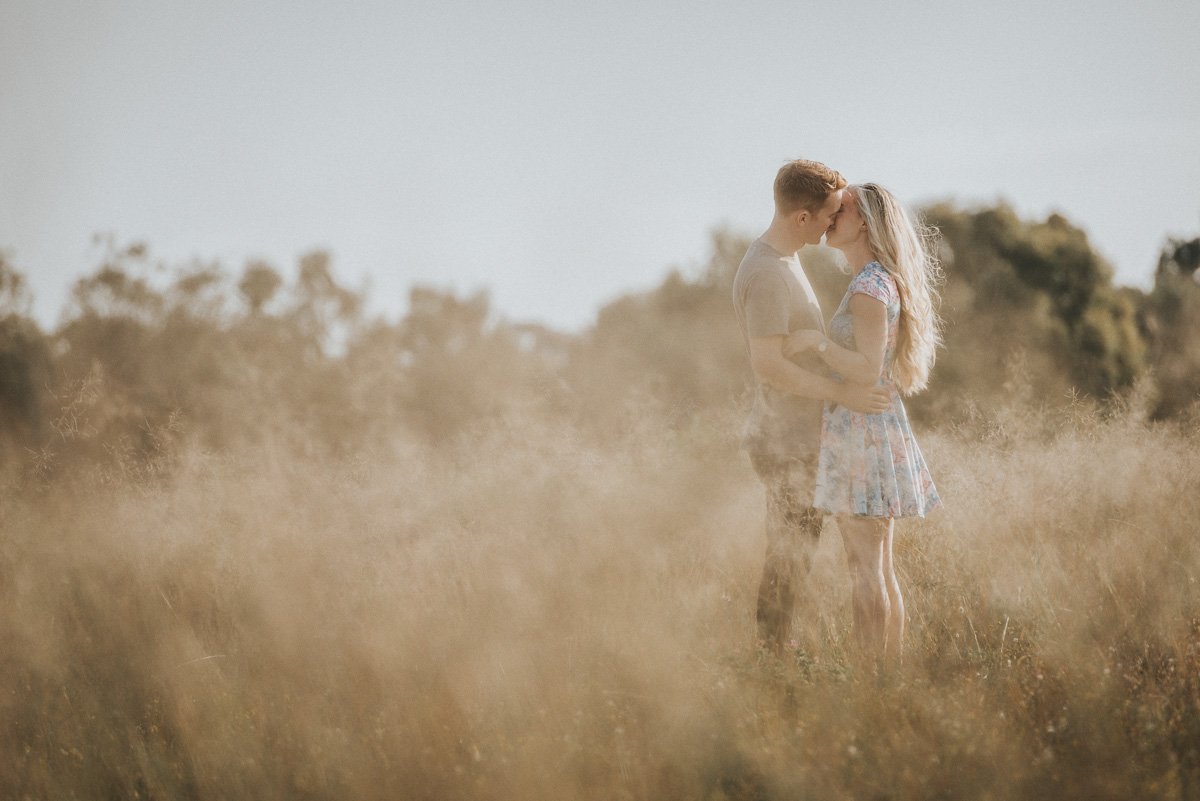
x,y
559,154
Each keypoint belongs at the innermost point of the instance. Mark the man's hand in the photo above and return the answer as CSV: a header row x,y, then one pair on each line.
x,y
799,341
864,400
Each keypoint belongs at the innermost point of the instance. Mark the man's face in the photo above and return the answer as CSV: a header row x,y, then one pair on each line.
x,y
847,222
817,223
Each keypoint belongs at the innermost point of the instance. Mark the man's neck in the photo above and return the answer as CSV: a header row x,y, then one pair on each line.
x,y
782,240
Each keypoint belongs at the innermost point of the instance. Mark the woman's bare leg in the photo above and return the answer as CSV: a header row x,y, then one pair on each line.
x,y
895,622
864,540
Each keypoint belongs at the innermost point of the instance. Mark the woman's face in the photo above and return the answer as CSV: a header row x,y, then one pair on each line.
x,y
848,225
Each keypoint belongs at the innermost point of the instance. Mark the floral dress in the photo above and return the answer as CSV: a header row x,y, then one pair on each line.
x,y
870,464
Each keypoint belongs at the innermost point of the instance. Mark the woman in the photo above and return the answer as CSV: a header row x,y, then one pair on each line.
x,y
884,333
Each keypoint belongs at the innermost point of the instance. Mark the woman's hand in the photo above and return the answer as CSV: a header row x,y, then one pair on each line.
x,y
798,341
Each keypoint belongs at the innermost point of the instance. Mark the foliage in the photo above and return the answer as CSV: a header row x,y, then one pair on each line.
x,y
1171,318
446,368
1032,294
25,369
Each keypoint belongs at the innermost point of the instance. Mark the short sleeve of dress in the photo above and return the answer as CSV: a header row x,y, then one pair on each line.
x,y
873,280
767,305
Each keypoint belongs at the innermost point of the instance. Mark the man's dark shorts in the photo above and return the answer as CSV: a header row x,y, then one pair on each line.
x,y
793,530
791,481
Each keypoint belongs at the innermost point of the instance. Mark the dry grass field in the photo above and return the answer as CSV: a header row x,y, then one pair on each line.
x,y
540,614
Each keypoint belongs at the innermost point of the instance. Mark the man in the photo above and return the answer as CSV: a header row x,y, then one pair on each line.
x,y
772,297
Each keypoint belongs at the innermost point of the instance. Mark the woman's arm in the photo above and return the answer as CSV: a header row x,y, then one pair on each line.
x,y
770,366
863,365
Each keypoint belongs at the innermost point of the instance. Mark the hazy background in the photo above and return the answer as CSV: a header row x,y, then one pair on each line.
x,y
561,154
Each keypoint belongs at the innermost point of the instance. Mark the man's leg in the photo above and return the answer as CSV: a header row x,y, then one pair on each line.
x,y
793,531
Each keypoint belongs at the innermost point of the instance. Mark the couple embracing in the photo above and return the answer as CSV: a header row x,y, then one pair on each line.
x,y
828,434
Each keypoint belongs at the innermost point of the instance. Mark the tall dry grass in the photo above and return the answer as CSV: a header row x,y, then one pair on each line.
x,y
537,613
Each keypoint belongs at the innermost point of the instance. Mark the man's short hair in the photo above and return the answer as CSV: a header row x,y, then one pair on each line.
x,y
804,184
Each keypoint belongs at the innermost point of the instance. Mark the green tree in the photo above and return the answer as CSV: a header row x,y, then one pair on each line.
x,y
1028,293
1171,318
25,369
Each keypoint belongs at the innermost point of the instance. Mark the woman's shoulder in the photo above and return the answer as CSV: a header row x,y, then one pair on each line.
x,y
876,281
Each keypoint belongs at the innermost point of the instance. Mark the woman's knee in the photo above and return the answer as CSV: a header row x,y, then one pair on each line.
x,y
870,585
874,586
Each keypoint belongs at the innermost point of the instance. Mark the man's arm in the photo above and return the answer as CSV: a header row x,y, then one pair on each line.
x,y
863,365
770,366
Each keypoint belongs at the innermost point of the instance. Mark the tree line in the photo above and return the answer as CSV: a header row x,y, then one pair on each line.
x,y
149,357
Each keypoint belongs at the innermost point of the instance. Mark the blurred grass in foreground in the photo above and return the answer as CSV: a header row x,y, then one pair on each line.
x,y
540,614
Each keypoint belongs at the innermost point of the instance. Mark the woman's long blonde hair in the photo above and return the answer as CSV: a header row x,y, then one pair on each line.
x,y
905,249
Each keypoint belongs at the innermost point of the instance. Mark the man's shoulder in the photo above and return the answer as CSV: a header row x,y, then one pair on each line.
x,y
760,259
760,251
760,282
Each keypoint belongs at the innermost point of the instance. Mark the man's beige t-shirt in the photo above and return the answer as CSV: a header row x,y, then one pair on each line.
x,y
771,296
